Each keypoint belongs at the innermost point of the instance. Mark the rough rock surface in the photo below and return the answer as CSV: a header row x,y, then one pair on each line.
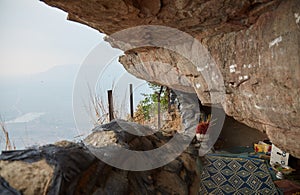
x,y
181,176
21,175
68,168
50,169
255,44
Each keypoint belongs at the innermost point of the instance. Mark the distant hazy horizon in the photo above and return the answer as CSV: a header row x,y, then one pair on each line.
x,y
40,55
38,109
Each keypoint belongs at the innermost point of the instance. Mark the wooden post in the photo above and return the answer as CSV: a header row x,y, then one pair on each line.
x,y
158,111
110,105
158,107
169,99
131,100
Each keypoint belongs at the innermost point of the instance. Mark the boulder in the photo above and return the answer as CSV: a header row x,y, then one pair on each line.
x,y
70,168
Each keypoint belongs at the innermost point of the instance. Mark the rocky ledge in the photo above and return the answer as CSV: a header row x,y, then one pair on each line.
x,y
69,168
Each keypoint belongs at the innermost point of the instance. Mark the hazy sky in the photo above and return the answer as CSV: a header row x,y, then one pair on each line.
x,y
35,37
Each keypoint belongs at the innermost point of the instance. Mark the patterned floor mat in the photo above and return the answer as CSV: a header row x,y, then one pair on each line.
x,y
226,175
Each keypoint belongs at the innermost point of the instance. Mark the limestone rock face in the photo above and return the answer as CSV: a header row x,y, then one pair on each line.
x,y
254,44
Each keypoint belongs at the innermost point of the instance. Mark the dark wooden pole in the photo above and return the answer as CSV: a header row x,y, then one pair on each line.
x,y
131,100
158,111
169,99
158,107
110,105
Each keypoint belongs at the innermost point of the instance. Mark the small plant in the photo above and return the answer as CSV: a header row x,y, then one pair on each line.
x,y
150,103
98,110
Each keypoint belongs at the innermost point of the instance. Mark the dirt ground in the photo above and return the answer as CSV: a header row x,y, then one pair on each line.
x,y
235,133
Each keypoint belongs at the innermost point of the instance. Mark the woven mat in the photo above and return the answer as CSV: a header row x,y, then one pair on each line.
x,y
227,175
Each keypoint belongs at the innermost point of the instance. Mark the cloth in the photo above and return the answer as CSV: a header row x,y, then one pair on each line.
x,y
232,175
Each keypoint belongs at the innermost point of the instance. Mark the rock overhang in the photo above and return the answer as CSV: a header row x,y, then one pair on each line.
x,y
255,44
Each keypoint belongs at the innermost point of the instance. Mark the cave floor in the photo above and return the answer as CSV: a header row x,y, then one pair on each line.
x,y
236,134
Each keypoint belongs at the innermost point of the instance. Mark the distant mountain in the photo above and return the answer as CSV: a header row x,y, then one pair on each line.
x,y
39,107
43,92
64,73
39,104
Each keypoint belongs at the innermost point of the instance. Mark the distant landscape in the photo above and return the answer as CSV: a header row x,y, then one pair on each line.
x,y
37,109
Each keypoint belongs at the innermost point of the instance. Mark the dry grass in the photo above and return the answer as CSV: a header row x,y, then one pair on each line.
x,y
29,178
8,145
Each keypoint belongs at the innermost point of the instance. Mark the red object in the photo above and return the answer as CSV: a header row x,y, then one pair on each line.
x,y
202,127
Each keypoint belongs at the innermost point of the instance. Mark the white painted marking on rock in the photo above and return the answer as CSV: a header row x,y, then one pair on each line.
x,y
232,68
246,77
200,69
258,107
198,85
297,16
275,42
